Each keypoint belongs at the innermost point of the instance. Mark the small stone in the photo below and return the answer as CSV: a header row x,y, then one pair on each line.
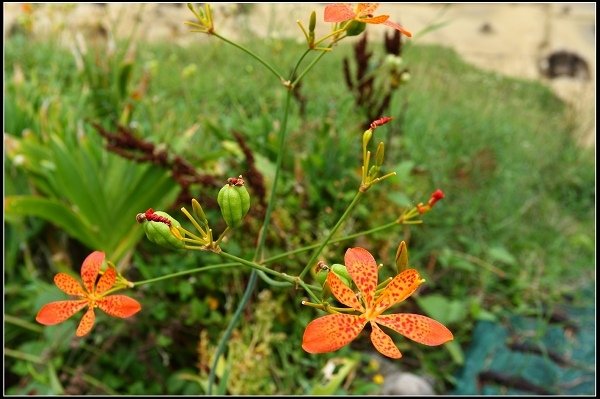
x,y
401,383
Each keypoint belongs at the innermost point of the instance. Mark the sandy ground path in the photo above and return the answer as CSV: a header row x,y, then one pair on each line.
x,y
512,39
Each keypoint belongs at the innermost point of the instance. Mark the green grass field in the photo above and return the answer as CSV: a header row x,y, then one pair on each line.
x,y
515,233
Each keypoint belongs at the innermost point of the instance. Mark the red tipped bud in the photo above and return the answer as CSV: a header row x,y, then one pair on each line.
x,y
380,122
435,197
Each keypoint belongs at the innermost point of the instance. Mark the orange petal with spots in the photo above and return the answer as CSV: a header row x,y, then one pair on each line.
x,y
375,20
383,343
363,9
338,12
400,288
68,284
399,27
90,268
119,305
331,332
86,323
106,281
363,269
419,328
57,312
342,292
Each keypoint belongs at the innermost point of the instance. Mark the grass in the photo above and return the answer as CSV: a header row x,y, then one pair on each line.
x,y
515,232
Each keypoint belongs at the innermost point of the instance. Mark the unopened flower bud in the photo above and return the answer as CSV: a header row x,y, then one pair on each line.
x,y
380,122
234,201
367,137
379,154
402,257
435,197
313,22
161,228
199,212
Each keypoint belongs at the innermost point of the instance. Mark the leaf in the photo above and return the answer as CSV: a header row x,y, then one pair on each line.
x,y
449,260
124,76
455,351
54,212
400,199
54,381
337,379
442,309
501,254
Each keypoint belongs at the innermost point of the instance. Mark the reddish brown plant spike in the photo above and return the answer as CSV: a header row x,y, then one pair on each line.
x,y
153,217
140,217
235,181
381,121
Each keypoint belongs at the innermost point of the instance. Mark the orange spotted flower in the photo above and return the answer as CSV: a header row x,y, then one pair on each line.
x,y
341,12
331,332
93,295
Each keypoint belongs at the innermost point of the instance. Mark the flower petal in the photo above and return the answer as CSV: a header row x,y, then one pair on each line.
x,y
419,328
86,323
119,305
57,312
399,27
338,12
106,281
383,343
363,269
363,9
68,285
90,268
400,288
342,292
375,20
331,332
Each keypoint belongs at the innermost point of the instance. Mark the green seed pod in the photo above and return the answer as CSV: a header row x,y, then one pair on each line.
x,y
161,229
355,28
234,201
321,275
342,273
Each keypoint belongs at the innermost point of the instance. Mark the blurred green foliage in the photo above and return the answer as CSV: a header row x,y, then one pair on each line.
x,y
514,233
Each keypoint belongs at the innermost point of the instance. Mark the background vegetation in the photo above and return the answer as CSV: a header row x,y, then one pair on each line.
x,y
514,235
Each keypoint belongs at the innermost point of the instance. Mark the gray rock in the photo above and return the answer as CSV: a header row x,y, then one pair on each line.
x,y
402,383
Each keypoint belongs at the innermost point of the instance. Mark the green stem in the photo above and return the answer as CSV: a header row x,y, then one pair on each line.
x,y
272,259
298,64
232,323
185,272
256,266
282,133
335,32
308,68
270,281
315,254
23,323
259,247
252,54
339,239
227,230
308,290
